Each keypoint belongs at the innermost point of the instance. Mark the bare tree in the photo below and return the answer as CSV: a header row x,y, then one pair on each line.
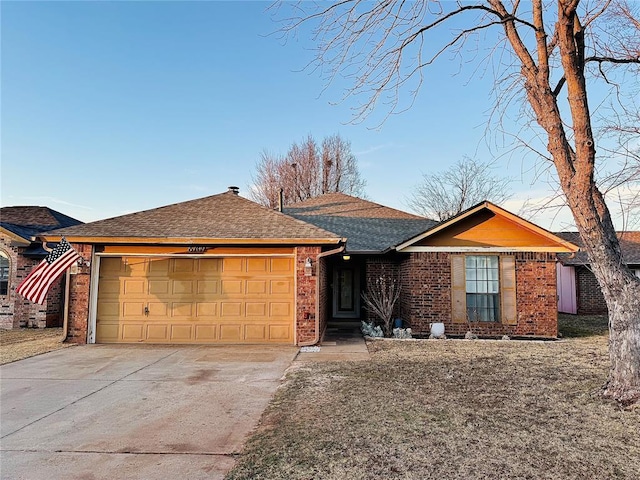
x,y
441,195
380,299
548,52
307,171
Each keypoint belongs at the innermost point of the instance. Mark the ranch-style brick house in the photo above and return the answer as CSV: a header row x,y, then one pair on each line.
x,y
223,269
18,255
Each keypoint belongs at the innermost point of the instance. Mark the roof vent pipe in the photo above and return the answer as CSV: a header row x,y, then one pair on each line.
x,y
280,199
234,190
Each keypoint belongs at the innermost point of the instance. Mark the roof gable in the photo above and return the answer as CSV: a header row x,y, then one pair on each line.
x,y
222,218
27,221
367,226
487,227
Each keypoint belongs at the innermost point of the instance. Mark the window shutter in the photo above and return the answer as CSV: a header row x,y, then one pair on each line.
x,y
508,290
458,290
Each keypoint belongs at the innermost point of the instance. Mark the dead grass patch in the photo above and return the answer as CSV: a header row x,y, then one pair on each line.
x,y
450,409
27,342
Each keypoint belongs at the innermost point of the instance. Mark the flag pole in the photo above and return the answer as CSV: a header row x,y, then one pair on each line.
x,y
65,321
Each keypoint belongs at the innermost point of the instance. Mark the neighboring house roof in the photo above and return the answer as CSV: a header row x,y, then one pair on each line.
x,y
629,246
368,226
28,221
488,227
222,218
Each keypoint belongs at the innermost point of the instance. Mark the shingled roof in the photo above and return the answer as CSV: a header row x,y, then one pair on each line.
x,y
28,221
226,216
629,245
368,226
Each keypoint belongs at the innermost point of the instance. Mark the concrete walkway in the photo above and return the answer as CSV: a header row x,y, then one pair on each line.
x,y
342,341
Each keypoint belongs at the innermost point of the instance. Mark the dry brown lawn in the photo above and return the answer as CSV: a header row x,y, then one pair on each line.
x,y
451,409
27,342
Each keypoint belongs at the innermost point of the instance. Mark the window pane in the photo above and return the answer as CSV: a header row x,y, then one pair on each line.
x,y
481,262
470,262
493,286
493,262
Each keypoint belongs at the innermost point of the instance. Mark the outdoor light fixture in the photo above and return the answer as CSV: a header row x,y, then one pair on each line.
x,y
308,267
346,258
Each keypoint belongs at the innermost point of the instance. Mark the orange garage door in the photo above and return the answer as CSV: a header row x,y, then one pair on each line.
x,y
195,300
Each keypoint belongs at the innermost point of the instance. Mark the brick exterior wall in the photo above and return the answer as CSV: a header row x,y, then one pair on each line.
x,y
426,290
426,296
79,297
589,295
16,311
306,294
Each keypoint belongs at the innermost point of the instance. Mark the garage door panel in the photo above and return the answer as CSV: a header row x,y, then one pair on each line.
x,y
230,287
132,332
206,309
254,309
196,300
109,287
133,309
231,333
281,287
208,287
158,309
159,267
232,265
181,333
281,265
210,265
183,265
109,309
206,333
108,332
159,287
279,309
182,287
230,309
157,333
279,333
182,309
255,333
257,265
134,286
256,287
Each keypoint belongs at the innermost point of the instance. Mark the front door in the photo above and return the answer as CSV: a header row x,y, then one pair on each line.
x,y
346,292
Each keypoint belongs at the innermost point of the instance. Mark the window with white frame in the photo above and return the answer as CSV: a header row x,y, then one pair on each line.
x,y
482,274
4,273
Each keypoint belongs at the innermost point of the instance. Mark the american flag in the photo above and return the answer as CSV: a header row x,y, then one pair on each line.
x,y
38,282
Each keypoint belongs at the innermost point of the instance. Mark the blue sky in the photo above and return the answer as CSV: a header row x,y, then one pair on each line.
x,y
115,107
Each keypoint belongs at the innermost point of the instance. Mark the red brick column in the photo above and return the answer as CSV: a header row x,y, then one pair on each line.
x,y
79,297
306,294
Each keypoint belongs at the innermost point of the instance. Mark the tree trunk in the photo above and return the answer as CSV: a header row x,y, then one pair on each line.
x,y
621,291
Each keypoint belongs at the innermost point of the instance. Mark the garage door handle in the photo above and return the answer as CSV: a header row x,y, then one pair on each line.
x,y
146,311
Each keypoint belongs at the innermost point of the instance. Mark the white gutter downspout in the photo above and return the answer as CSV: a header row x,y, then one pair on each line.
x,y
316,338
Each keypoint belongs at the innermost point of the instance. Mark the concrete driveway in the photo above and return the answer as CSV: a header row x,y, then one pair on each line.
x,y
134,412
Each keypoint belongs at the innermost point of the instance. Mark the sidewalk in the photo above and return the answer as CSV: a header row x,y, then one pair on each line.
x,y
341,342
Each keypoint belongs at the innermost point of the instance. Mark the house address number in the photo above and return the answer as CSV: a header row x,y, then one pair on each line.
x,y
197,249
